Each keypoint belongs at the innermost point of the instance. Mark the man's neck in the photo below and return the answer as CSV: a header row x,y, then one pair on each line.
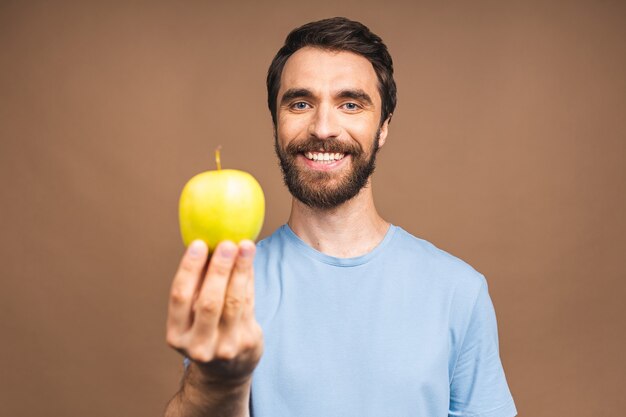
x,y
351,229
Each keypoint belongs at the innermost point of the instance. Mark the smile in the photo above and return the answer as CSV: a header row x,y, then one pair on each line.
x,y
324,157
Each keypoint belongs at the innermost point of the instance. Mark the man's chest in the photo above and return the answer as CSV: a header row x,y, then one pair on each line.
x,y
366,346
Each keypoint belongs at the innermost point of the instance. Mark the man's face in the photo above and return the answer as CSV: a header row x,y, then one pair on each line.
x,y
328,125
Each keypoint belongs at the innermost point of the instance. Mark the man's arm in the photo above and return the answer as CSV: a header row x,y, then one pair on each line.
x,y
211,322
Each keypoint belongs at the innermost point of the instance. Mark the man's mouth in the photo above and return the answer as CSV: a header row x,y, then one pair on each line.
x,y
324,157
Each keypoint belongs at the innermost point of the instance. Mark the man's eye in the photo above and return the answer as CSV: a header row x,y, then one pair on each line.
x,y
351,106
301,105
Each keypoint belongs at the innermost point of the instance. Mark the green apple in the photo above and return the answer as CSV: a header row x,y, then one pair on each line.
x,y
225,204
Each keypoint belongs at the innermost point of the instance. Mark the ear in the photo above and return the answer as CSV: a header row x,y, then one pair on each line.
x,y
384,130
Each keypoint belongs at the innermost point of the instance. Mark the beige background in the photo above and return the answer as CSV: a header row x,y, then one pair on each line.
x,y
507,149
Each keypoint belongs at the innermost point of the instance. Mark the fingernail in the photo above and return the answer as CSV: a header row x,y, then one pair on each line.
x,y
246,250
196,249
227,250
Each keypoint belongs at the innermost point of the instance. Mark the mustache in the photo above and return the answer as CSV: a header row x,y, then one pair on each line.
x,y
323,145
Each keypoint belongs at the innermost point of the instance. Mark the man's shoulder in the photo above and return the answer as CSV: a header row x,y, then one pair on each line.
x,y
272,248
435,261
275,239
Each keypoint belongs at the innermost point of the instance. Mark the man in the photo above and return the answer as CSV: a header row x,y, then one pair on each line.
x,y
353,316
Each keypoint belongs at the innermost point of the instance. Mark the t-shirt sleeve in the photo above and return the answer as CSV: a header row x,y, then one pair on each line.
x,y
478,387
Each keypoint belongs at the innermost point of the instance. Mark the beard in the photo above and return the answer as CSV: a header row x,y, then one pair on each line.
x,y
320,189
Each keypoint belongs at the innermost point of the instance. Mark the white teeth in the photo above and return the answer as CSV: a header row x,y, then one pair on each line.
x,y
324,157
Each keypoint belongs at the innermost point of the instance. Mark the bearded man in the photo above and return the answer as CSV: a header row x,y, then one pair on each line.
x,y
340,313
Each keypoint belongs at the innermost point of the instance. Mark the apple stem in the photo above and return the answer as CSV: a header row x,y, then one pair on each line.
x,y
217,158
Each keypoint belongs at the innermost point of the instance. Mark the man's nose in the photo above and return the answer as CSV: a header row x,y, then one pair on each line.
x,y
324,123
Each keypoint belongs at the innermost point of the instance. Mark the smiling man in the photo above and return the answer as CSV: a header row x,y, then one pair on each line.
x,y
340,313
329,125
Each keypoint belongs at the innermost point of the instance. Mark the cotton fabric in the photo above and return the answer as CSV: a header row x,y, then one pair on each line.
x,y
405,330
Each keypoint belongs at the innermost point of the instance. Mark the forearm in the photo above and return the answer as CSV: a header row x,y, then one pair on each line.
x,y
196,398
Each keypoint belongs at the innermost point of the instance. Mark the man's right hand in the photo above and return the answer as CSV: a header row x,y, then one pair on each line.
x,y
211,314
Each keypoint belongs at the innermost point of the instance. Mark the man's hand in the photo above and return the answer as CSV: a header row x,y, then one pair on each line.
x,y
211,314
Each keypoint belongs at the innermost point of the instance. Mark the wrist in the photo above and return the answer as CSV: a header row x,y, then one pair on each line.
x,y
206,396
203,380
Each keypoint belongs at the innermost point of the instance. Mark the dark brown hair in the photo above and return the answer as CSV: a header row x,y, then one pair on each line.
x,y
337,34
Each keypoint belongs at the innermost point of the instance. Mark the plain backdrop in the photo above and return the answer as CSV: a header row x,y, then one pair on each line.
x,y
507,149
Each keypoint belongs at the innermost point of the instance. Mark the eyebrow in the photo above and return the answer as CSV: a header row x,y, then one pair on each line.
x,y
358,95
294,93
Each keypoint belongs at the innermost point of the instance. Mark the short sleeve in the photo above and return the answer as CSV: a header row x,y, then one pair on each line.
x,y
478,387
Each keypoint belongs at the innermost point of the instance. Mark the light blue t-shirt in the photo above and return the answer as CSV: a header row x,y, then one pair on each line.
x,y
405,330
